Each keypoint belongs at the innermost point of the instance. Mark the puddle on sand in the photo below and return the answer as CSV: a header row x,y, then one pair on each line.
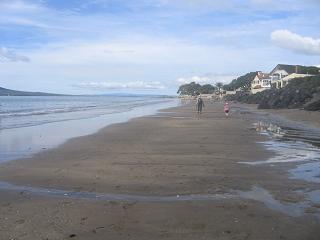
x,y
293,145
314,196
291,209
289,133
296,143
256,193
308,171
294,151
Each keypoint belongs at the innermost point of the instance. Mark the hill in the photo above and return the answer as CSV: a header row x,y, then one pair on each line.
x,y
8,92
243,82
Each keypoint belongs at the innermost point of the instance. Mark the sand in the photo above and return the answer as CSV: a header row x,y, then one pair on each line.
x,y
173,153
310,118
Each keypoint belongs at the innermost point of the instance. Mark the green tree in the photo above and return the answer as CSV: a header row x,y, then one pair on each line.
x,y
309,70
192,89
219,85
207,89
243,82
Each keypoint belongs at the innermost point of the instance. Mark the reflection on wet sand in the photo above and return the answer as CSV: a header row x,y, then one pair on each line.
x,y
275,130
293,145
297,133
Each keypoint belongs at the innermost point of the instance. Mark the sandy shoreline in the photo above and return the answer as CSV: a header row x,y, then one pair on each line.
x,y
173,153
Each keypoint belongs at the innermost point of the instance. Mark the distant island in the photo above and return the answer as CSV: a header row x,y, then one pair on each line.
x,y
8,92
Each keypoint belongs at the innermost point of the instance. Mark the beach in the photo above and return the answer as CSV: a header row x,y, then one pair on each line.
x,y
173,175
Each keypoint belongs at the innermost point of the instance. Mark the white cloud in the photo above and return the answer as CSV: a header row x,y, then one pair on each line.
x,y
230,33
196,79
206,79
8,55
135,85
198,6
283,5
22,21
140,50
204,4
24,13
295,42
19,6
270,3
187,4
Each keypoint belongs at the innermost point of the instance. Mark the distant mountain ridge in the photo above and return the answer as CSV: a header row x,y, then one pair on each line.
x,y
8,92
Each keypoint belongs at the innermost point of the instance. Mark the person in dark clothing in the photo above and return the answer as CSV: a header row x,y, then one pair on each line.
x,y
200,105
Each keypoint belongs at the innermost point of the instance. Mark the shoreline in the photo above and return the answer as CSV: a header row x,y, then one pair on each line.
x,y
174,153
163,113
29,140
170,112
39,166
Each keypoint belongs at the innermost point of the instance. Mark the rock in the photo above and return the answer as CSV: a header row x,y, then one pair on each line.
x,y
314,103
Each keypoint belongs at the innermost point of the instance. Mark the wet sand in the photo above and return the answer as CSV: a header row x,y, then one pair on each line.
x,y
311,118
175,153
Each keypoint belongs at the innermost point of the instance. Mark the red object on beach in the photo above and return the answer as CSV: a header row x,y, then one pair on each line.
x,y
226,107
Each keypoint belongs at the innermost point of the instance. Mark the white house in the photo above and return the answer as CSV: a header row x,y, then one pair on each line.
x,y
283,70
284,81
282,74
261,82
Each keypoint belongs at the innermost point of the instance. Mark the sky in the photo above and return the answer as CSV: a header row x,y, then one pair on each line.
x,y
150,46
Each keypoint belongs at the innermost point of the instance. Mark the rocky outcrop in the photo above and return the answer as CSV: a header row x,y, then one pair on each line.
x,y
314,104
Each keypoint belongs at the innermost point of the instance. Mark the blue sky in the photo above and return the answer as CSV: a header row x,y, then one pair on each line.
x,y
149,46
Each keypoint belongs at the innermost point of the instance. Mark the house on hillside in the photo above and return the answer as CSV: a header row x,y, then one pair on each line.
x,y
283,70
284,81
261,82
283,73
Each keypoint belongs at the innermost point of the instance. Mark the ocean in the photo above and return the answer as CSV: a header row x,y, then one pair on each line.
x,y
32,124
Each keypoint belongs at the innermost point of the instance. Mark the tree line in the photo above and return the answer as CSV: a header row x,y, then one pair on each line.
x,y
195,89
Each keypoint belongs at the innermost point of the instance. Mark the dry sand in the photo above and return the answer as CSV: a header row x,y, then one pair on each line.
x,y
173,153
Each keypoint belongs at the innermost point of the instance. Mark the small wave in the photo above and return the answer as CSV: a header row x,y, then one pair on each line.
x,y
19,119
104,108
23,113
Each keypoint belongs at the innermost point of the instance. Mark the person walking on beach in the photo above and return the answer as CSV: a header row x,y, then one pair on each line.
x,y
200,104
226,109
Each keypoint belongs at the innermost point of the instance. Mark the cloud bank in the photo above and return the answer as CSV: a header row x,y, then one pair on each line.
x,y
206,79
295,42
135,85
7,55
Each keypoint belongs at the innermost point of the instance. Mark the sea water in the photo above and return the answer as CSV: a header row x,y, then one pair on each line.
x,y
32,124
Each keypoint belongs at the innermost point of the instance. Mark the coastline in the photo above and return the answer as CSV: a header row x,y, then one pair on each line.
x,y
168,154
24,141
174,135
